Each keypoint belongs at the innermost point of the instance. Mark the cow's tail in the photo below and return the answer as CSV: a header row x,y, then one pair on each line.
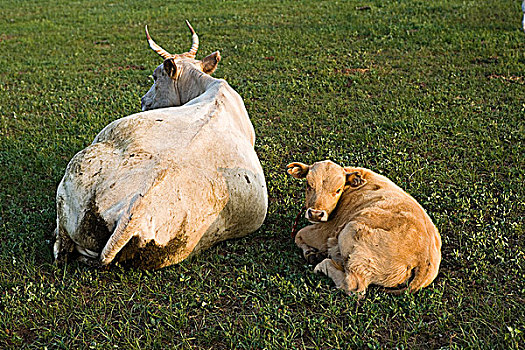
x,y
121,236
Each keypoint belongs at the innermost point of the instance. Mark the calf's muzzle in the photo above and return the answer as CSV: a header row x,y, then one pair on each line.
x,y
314,215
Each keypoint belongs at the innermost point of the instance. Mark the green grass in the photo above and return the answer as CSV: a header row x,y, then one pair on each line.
x,y
428,93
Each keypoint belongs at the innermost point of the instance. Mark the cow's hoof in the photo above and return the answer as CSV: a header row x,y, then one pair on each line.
x,y
95,263
314,256
60,259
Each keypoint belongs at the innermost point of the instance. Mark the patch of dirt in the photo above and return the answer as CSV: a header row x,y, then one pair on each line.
x,y
512,78
26,334
347,71
5,37
486,60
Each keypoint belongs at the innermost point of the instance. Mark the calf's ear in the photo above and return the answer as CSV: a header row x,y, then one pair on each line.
x,y
354,180
170,67
298,170
210,62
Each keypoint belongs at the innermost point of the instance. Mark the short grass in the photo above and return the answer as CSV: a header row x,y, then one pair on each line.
x,y
429,93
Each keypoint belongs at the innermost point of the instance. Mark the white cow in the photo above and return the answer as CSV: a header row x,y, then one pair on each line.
x,y
157,186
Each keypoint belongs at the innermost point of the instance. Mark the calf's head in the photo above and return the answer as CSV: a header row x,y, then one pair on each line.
x,y
325,183
177,79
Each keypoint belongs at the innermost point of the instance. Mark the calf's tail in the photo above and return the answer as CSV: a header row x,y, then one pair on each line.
x,y
424,273
421,277
428,268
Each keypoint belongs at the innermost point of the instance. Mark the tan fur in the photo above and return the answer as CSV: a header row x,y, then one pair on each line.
x,y
378,231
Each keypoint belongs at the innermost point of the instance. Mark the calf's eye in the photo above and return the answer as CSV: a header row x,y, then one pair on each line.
x,y
338,191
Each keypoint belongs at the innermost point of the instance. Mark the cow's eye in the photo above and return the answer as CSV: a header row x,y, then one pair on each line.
x,y
338,191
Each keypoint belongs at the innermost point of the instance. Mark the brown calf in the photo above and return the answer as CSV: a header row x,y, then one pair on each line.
x,y
365,229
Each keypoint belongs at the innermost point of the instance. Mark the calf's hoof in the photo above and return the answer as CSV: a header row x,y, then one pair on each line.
x,y
322,267
314,256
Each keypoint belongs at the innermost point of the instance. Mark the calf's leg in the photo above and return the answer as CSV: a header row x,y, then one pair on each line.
x,y
349,281
312,242
331,270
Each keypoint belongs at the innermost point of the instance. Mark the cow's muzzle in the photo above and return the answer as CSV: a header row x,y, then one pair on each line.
x,y
314,215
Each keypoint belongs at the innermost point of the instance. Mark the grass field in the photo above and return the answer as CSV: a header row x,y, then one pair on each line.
x,y
428,93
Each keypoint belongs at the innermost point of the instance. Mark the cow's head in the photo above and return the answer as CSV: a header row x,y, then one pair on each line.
x,y
176,81
325,183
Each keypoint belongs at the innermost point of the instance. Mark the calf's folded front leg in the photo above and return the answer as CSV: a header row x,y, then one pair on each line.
x,y
312,242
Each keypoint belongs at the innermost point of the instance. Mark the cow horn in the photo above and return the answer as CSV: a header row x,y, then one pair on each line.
x,y
163,53
195,40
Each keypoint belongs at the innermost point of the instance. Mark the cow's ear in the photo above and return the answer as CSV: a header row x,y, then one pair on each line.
x,y
170,67
298,170
209,63
354,179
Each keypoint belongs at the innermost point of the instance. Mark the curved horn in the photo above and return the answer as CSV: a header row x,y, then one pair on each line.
x,y
195,39
163,53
